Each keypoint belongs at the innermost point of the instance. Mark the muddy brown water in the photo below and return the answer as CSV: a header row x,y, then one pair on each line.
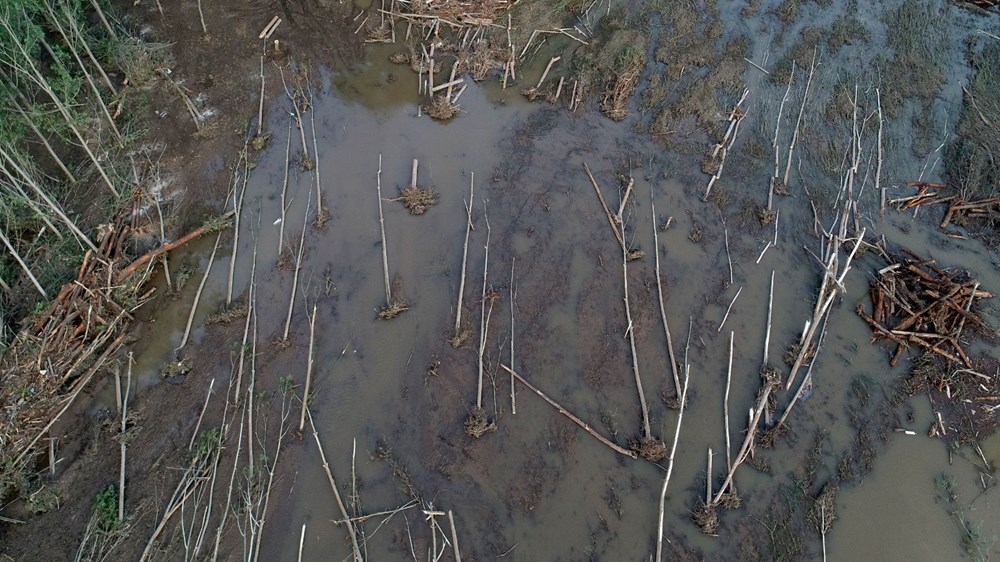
x,y
538,488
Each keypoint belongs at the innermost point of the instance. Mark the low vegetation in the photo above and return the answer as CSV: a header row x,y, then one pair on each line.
x,y
971,165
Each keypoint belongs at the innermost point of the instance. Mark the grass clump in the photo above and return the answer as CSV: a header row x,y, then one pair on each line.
x,y
801,53
106,508
975,545
612,64
918,40
971,163
628,66
847,30
787,11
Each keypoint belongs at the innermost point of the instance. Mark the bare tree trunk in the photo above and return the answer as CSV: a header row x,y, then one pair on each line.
x,y
24,266
90,54
104,20
45,142
381,223
16,185
36,76
83,68
52,205
465,257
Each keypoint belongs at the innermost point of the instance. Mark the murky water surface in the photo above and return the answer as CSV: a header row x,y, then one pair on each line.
x,y
539,488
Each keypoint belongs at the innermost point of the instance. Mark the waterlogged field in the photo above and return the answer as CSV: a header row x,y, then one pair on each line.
x,y
592,282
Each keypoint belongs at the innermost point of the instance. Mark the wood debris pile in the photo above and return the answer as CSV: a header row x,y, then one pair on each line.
x,y
57,353
984,4
453,12
958,207
916,303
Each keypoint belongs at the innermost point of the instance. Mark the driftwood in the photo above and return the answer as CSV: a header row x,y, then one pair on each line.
x,y
718,156
604,205
659,294
616,448
930,193
57,354
915,302
336,494
205,228
651,448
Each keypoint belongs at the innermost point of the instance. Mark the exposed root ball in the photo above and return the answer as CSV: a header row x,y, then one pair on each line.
x,y
634,255
259,142
322,215
175,369
771,376
651,449
417,199
760,464
671,401
731,500
441,108
770,437
477,424
392,310
766,216
227,315
531,93
779,186
792,353
707,519
459,339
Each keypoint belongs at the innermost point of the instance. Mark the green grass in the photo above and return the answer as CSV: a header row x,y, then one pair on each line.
x,y
36,42
106,509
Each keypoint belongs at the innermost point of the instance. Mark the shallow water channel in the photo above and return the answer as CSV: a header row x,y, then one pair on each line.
x,y
539,488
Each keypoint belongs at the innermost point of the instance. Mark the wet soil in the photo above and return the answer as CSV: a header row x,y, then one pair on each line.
x,y
390,399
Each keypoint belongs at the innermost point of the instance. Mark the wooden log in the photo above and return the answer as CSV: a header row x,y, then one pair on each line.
x,y
574,419
135,265
604,205
913,318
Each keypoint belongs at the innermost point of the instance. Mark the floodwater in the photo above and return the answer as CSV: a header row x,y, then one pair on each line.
x,y
538,488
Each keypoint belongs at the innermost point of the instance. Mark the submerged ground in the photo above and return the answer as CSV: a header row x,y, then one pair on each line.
x,y
838,99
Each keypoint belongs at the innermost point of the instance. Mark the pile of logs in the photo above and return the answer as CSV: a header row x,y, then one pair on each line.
x,y
453,13
984,4
930,194
57,353
978,209
916,303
